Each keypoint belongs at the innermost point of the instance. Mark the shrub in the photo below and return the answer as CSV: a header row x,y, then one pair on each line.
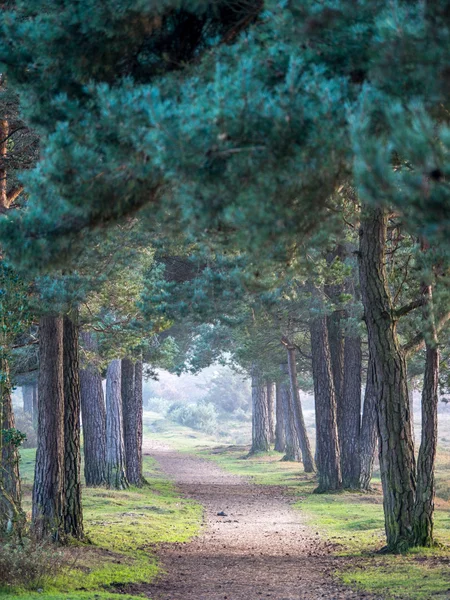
x,y
24,424
201,416
29,564
158,405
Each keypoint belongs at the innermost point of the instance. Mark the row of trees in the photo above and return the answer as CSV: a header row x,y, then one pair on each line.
x,y
303,187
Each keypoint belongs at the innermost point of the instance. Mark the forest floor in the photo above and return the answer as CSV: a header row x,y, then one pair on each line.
x,y
253,545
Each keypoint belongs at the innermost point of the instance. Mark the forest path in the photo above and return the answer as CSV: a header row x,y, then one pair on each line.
x,y
260,549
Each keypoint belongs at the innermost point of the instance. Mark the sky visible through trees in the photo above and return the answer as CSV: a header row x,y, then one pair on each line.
x,y
255,191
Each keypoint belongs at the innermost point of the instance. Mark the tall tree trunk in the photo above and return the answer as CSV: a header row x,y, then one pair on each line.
x,y
349,434
35,405
369,427
93,417
49,470
132,419
271,409
12,517
292,451
27,395
397,461
280,431
115,450
426,487
72,510
300,427
327,445
260,413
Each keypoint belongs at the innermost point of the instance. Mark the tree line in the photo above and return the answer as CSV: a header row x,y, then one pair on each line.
x,y
299,186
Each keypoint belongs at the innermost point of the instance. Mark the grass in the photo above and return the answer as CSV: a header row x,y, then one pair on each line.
x,y
123,528
354,522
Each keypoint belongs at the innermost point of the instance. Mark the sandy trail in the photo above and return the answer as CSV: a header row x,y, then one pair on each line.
x,y
260,549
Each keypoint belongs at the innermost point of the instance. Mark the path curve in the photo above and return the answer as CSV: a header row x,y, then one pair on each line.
x,y
260,549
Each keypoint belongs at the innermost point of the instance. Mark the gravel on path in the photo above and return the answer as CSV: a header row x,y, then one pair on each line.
x,y
261,548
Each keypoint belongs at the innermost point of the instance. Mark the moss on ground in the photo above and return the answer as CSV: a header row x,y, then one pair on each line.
x,y
123,528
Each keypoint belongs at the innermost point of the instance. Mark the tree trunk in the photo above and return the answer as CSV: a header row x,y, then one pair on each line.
x,y
260,414
327,446
397,462
132,419
337,360
35,405
12,517
49,470
27,394
271,409
115,450
349,433
93,417
426,487
292,452
300,427
280,431
369,427
72,510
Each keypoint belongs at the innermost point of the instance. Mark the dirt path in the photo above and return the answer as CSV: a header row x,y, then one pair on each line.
x,y
260,549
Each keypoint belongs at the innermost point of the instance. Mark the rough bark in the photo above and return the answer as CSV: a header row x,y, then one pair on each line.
x,y
27,395
72,509
327,445
280,433
426,487
271,409
49,470
115,449
260,413
369,427
299,421
132,419
93,418
349,433
397,463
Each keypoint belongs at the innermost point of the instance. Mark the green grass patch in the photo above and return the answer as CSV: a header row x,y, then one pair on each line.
x,y
123,528
402,577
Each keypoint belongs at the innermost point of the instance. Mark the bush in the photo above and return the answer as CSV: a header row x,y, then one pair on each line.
x,y
29,564
201,416
24,423
158,405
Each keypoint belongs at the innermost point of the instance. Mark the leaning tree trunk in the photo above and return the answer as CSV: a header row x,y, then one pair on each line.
x,y
369,428
72,510
35,405
426,487
27,394
271,409
49,470
115,450
397,462
260,413
327,445
349,433
132,419
93,417
280,433
300,427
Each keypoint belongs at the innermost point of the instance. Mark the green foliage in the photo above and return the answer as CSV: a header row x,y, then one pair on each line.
x,y
201,415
